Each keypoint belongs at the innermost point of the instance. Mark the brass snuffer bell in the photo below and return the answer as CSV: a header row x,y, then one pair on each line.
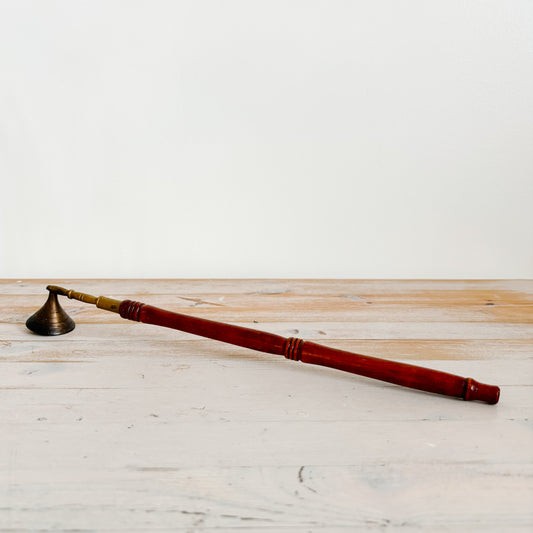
x,y
52,319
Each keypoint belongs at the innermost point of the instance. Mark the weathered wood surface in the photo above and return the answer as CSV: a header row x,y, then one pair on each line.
x,y
120,426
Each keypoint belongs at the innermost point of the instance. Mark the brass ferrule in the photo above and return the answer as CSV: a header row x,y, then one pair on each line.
x,y
102,302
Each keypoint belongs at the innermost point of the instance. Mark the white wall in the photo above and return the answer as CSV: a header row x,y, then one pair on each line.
x,y
266,138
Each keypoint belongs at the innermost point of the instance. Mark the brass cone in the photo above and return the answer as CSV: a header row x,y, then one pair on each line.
x,y
50,319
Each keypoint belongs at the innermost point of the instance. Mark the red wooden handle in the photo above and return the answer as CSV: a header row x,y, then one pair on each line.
x,y
403,374
411,376
249,338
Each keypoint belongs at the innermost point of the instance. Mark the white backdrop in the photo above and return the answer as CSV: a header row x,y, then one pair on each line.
x,y
212,138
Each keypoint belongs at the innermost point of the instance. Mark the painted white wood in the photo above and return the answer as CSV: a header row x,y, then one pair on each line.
x,y
127,427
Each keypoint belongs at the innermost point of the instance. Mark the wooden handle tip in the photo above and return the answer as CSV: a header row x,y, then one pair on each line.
x,y
475,391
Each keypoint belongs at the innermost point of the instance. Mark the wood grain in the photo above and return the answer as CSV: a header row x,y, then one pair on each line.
x,y
127,427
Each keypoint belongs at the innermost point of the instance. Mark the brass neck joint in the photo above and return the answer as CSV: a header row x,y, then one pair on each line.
x,y
102,302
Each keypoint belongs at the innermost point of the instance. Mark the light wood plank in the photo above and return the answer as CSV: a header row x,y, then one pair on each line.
x,y
320,331
261,286
355,497
71,349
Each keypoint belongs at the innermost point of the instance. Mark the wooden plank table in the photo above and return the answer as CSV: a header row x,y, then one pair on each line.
x,y
120,426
